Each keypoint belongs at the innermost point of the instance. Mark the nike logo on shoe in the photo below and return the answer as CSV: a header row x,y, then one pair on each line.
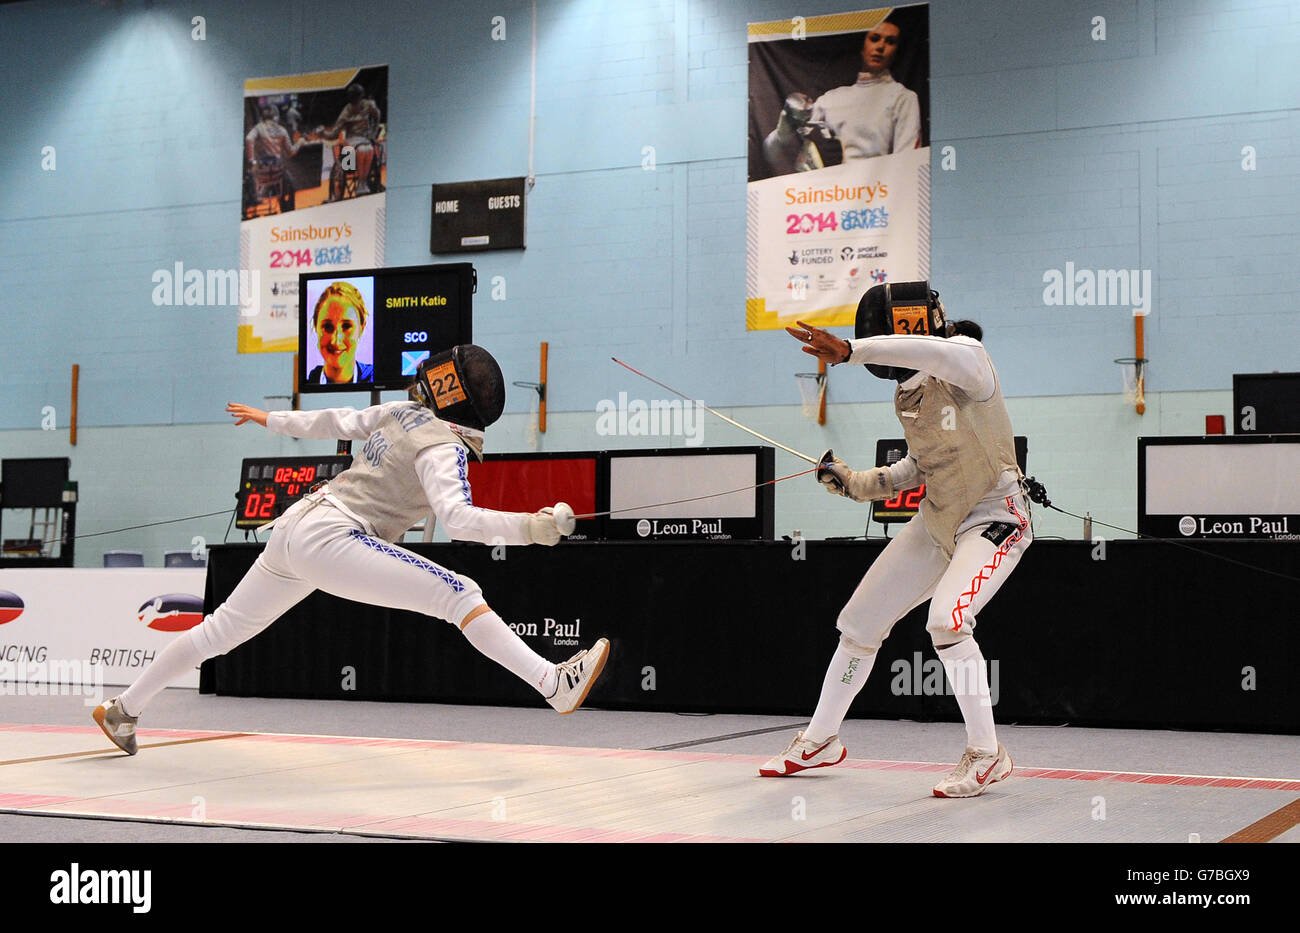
x,y
808,756
981,778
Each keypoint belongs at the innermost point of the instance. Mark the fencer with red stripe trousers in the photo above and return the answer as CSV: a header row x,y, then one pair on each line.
x,y
971,531
341,540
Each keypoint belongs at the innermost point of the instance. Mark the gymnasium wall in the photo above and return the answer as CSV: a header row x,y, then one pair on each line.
x,y
1122,153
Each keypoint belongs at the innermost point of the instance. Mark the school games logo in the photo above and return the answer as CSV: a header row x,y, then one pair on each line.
x,y
11,606
173,612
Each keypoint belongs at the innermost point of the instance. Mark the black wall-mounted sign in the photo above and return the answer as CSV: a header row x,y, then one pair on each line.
x,y
472,216
1266,403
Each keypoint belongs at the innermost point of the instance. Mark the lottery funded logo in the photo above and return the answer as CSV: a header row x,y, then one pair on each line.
x,y
812,256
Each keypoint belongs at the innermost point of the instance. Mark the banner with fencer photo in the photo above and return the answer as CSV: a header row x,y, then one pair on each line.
x,y
314,161
838,197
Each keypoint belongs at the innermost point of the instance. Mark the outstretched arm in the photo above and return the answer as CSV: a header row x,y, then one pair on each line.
x,y
443,471
329,422
961,361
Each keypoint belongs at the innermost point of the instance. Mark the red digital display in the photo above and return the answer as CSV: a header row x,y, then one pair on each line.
x,y
270,485
260,504
908,501
295,474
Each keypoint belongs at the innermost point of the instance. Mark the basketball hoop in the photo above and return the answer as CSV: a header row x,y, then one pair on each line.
x,y
812,392
1134,370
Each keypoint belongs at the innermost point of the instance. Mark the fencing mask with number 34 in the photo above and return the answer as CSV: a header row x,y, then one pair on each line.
x,y
899,308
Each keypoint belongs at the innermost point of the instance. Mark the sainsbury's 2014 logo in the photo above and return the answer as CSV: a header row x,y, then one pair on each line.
x,y
11,606
172,612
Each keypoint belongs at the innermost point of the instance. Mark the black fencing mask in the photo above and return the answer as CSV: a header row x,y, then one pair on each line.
x,y
462,385
899,308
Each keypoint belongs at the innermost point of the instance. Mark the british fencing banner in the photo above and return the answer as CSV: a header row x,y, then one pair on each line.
x,y
838,197
92,627
315,169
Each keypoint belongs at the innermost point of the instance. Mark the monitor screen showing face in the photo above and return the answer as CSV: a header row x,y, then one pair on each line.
x,y
371,328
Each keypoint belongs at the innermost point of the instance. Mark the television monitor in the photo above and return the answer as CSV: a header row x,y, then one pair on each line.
x,y
362,330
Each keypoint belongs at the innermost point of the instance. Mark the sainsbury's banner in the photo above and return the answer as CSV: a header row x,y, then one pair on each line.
x,y
838,195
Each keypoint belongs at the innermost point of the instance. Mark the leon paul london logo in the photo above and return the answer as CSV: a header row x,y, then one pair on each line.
x,y
1245,527
560,633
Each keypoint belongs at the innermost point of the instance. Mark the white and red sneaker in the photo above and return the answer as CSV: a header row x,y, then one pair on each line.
x,y
802,755
975,772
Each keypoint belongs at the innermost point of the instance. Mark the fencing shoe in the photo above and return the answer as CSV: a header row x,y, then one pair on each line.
x,y
117,725
577,675
803,754
974,773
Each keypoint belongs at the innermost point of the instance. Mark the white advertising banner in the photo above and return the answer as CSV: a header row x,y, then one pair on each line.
x,y
818,241
91,626
838,197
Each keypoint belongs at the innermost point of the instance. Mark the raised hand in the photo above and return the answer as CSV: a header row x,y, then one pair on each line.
x,y
820,343
246,413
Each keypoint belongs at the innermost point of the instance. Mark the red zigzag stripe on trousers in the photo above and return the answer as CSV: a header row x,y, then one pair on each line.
x,y
987,571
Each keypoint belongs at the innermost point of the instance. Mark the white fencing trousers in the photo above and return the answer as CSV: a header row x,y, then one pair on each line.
x,y
912,568
315,546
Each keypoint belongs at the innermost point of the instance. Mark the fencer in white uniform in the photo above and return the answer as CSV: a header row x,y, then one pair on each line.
x,y
339,538
972,528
